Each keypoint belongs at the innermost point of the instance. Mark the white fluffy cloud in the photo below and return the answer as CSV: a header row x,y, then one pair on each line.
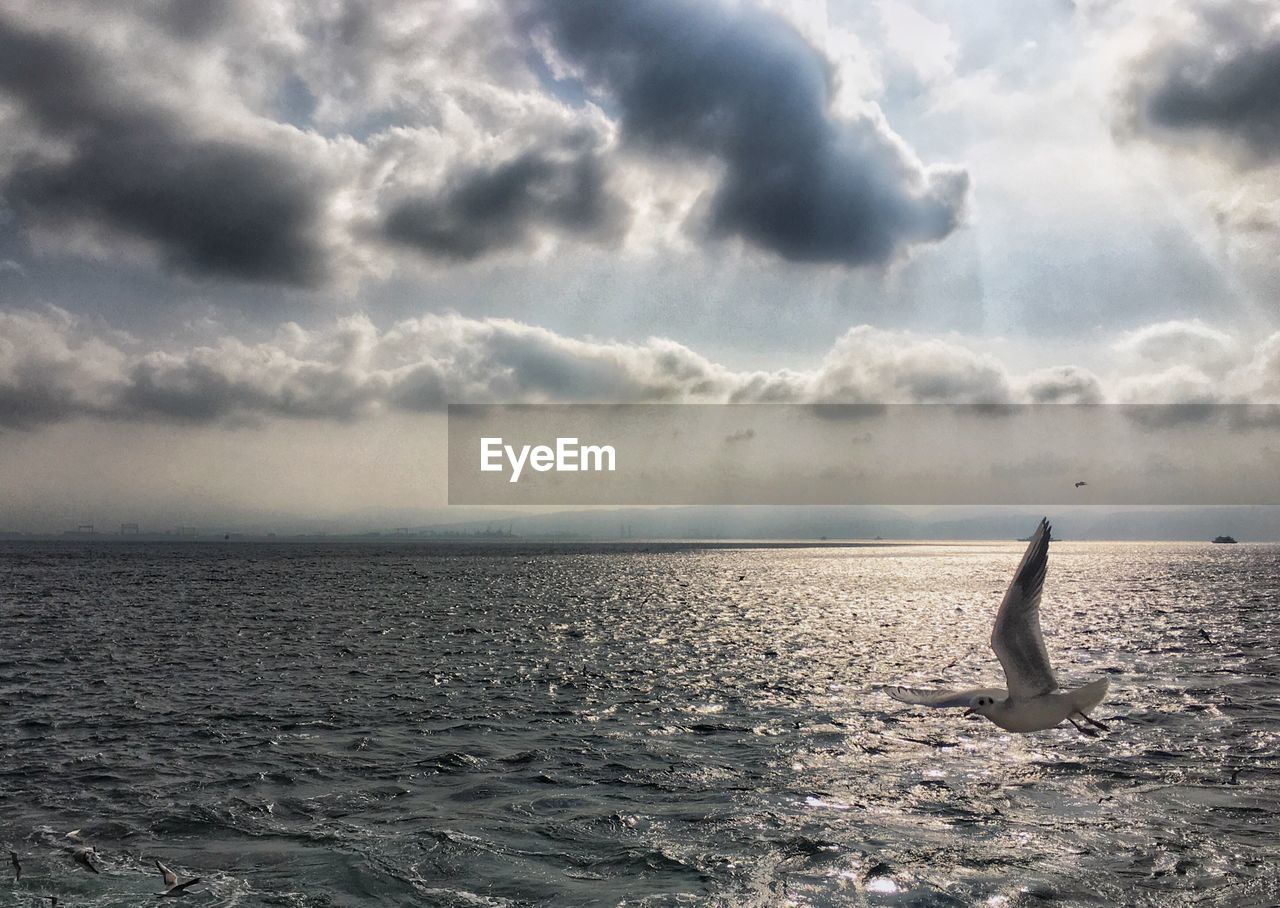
x,y
1187,344
49,370
871,366
1063,385
52,368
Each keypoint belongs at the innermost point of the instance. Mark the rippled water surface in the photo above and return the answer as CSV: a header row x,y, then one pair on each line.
x,y
332,725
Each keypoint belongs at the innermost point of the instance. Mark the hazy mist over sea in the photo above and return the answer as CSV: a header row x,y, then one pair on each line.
x,y
1260,523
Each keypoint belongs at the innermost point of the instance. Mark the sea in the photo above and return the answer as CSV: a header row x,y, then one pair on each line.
x,y
520,724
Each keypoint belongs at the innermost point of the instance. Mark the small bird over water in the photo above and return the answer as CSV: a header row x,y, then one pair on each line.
x,y
1033,701
1081,483
171,884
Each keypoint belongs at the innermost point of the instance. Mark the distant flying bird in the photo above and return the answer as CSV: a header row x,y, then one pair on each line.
x,y
17,867
1034,701
1081,483
171,884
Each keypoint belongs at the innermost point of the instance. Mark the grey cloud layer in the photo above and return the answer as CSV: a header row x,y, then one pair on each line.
x,y
1218,75
744,88
52,369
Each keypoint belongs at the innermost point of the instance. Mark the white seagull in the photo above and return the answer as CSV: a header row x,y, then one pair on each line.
x,y
1033,701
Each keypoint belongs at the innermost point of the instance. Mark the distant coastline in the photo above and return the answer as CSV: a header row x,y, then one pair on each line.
x,y
814,525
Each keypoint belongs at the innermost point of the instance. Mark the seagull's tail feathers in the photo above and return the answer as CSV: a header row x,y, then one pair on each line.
x,y
1088,697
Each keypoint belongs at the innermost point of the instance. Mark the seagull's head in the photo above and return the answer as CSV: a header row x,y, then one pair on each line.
x,y
981,705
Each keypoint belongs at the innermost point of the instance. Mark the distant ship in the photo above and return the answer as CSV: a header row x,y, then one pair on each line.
x,y
1224,540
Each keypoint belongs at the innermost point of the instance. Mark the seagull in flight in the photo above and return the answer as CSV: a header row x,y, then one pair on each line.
x,y
1081,483
1033,701
171,884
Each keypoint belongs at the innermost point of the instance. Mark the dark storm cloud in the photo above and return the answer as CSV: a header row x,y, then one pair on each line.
x,y
209,206
743,87
483,210
1222,78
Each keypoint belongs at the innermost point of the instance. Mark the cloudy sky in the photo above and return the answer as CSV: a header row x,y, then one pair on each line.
x,y
249,250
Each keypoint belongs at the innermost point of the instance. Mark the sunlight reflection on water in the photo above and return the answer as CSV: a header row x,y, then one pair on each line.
x,y
341,725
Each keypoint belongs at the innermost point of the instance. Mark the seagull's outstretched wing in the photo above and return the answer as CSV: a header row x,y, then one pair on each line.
x,y
1016,637
170,878
946,699
181,888
171,884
